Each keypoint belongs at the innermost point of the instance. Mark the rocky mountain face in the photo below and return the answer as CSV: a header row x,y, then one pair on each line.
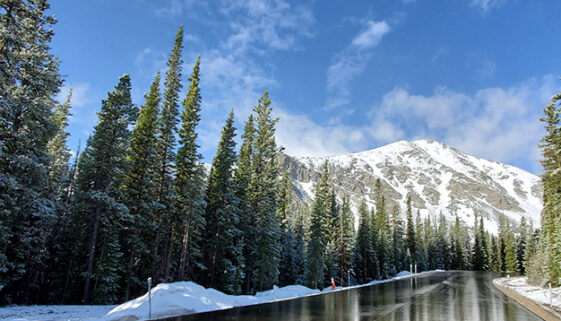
x,y
439,178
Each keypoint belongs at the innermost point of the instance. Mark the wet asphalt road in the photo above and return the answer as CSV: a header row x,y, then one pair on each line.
x,y
437,296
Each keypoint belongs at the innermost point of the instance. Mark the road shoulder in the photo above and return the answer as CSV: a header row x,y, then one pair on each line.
x,y
533,306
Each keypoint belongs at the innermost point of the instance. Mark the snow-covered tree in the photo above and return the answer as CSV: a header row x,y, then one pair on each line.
x,y
222,247
29,81
189,203
165,159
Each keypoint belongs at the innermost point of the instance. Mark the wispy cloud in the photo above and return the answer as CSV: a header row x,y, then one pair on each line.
x,y
500,124
271,24
487,5
79,94
351,62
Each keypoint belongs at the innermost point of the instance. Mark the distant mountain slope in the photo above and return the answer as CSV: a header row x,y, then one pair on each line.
x,y
438,177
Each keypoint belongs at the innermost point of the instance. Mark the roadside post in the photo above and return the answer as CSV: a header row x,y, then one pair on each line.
x,y
550,297
149,298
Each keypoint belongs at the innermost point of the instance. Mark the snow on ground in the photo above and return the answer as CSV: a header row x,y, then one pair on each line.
x,y
54,312
537,294
171,299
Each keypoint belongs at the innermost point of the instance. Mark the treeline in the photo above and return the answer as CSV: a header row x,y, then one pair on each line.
x,y
384,245
545,256
137,202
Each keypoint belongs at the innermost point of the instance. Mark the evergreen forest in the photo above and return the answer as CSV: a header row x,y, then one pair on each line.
x,y
137,202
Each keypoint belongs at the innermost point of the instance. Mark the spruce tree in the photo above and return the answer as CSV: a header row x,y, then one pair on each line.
x,y
399,252
138,238
97,211
242,178
420,246
319,232
382,232
289,256
262,192
511,257
411,241
189,203
365,262
223,247
168,228
457,246
29,80
345,234
479,257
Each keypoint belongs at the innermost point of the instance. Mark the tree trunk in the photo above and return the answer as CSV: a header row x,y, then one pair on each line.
x,y
184,252
169,253
91,254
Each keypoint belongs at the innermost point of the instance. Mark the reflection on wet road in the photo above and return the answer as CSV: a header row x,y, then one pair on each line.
x,y
437,296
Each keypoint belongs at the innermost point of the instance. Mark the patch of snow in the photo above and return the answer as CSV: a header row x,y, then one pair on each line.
x,y
182,298
54,312
535,293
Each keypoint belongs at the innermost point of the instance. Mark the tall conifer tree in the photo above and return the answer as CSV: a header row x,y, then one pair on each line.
x,y
223,247
138,238
189,183
165,159
262,193
97,207
29,80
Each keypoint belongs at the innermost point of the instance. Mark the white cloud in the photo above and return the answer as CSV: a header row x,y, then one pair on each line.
x,y
79,94
351,62
500,124
259,25
372,35
486,5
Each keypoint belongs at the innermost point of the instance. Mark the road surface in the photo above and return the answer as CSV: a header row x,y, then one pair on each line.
x,y
437,296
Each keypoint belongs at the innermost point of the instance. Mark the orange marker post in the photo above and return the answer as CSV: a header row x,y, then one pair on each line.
x,y
332,284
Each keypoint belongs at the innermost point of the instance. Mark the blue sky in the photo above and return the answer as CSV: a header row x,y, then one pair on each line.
x,y
343,76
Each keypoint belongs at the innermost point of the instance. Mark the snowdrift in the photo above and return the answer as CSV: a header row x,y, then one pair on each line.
x,y
180,298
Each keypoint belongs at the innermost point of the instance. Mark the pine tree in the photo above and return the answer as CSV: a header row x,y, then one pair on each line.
x,y
59,193
345,234
242,178
457,247
523,238
58,150
399,252
551,179
511,257
479,257
381,226
289,256
262,192
365,262
319,236
420,246
138,238
189,183
330,254
96,205
224,259
411,241
442,252
29,80
166,219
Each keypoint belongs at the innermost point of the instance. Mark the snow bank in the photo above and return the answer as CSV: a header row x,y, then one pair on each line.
x,y
179,298
535,293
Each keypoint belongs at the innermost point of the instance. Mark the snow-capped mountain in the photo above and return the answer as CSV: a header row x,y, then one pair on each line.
x,y
438,177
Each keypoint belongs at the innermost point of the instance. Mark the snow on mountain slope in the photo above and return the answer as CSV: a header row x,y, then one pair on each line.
x,y
438,177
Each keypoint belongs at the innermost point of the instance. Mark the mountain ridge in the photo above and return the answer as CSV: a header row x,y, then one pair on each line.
x,y
439,178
